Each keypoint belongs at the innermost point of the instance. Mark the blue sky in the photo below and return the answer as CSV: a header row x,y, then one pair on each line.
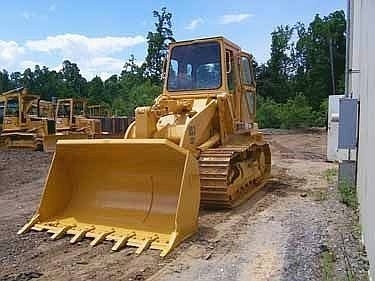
x,y
100,35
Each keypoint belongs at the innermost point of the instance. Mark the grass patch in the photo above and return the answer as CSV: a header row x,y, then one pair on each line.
x,y
348,194
327,261
331,175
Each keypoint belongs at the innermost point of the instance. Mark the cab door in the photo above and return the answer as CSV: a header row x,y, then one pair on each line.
x,y
64,114
12,114
2,112
248,89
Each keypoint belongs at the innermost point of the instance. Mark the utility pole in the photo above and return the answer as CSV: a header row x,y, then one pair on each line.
x,y
332,65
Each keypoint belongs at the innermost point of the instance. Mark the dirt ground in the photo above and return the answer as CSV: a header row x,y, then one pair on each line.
x,y
283,233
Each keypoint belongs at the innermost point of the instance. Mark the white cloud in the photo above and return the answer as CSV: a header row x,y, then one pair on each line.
x,y
234,18
93,55
101,66
103,56
76,43
30,64
194,24
10,51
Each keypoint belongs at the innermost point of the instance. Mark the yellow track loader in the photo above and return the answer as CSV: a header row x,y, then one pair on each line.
x,y
71,123
197,145
23,126
2,111
45,108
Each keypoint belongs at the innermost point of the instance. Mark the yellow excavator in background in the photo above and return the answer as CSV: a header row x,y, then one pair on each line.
x,y
45,108
197,145
72,123
23,126
2,110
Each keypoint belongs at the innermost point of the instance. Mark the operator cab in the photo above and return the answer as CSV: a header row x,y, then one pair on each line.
x,y
209,67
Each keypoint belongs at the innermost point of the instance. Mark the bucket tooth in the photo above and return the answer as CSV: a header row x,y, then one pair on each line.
x,y
61,232
122,241
29,225
80,235
100,238
167,248
145,244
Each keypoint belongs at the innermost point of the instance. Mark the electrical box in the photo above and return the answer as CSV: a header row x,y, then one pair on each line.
x,y
333,153
348,123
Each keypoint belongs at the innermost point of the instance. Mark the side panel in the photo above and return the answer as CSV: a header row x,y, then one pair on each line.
x,y
201,127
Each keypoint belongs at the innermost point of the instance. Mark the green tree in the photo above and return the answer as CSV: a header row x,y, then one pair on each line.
x,y
27,79
158,45
95,90
75,84
111,89
15,78
5,83
319,47
296,113
44,82
273,78
142,94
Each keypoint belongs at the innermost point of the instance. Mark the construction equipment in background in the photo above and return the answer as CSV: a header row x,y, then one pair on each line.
x,y
98,111
2,110
23,127
72,123
46,109
198,144
113,126
71,118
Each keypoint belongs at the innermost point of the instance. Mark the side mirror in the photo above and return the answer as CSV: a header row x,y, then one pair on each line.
x,y
228,59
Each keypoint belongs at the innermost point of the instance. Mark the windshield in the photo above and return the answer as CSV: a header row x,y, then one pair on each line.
x,y
195,67
12,108
78,108
33,110
64,110
1,112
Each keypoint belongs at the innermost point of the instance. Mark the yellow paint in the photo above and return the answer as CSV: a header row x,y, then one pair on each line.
x,y
150,196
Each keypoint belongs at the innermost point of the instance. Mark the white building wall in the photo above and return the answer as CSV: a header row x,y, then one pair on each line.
x,y
355,44
363,85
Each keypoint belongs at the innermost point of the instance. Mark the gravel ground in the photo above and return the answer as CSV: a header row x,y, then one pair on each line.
x,y
285,232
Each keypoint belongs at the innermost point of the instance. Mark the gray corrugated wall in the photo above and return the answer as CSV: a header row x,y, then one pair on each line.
x,y
364,87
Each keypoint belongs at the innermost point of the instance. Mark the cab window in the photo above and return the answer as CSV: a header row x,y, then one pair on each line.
x,y
229,59
78,108
1,112
12,108
64,110
246,73
195,67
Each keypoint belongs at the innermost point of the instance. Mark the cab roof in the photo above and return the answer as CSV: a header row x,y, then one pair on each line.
x,y
206,39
